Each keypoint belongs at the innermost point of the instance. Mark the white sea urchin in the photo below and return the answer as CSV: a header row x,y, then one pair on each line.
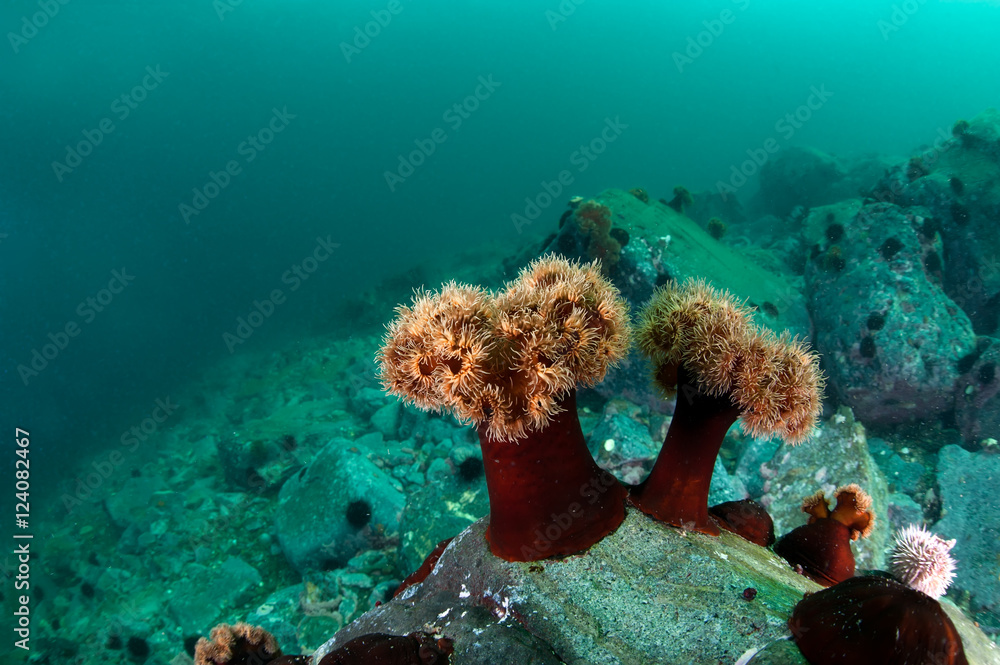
x,y
922,560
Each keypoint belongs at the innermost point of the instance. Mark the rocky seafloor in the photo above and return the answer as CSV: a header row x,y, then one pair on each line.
x,y
290,492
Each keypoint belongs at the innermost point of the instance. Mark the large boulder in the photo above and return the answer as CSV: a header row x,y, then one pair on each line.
x,y
645,594
890,338
205,593
957,181
977,394
663,244
805,177
321,515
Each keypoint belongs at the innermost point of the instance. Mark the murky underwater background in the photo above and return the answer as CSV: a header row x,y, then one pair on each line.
x,y
208,211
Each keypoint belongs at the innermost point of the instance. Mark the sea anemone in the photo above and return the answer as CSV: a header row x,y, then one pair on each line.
x,y
237,643
874,619
510,365
922,561
705,349
821,549
421,573
747,519
716,228
682,199
639,193
594,220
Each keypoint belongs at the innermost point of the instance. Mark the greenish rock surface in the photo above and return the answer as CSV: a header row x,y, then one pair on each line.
x,y
889,334
781,652
205,593
386,419
311,517
683,249
968,483
433,514
647,593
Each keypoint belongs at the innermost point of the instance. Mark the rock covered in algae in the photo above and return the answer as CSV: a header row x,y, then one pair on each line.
x,y
645,594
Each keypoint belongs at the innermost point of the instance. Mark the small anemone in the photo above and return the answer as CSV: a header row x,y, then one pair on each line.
x,y
716,228
821,549
639,193
682,199
234,644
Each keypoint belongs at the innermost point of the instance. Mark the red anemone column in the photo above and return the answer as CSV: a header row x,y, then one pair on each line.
x,y
548,497
676,491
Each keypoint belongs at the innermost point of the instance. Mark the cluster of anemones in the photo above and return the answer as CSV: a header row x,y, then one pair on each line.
x,y
504,361
510,363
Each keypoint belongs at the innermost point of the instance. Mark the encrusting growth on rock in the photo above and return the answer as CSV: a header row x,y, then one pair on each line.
x,y
821,549
705,349
510,363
